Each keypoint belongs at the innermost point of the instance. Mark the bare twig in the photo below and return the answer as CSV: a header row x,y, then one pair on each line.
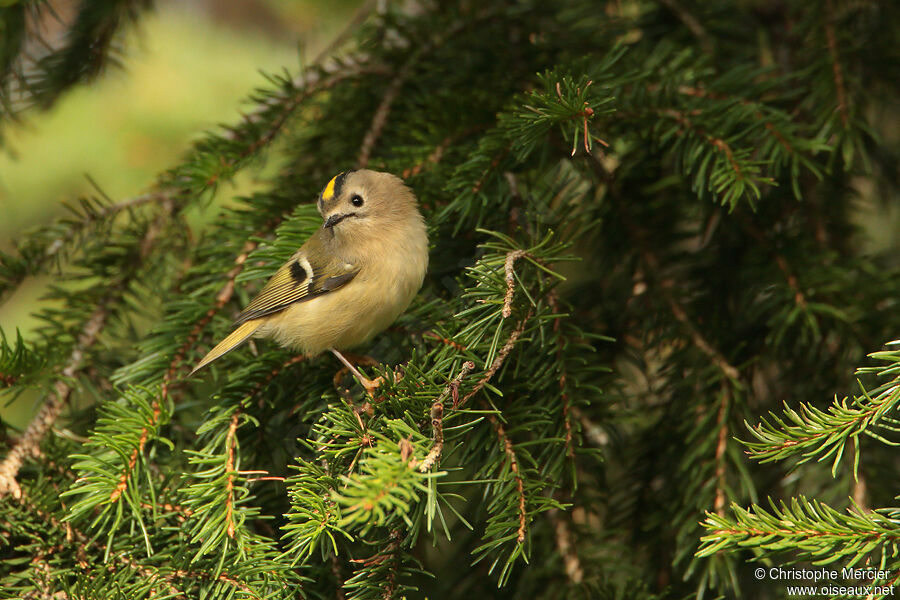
x,y
29,443
511,258
230,445
358,19
553,301
498,360
508,448
379,119
437,416
699,341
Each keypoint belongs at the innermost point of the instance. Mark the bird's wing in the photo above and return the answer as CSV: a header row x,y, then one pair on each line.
x,y
303,277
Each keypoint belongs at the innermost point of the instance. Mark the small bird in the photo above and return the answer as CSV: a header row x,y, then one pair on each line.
x,y
350,280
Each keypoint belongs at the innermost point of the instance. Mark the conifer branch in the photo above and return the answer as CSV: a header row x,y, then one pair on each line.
x,y
511,258
384,564
553,301
29,443
273,374
513,462
682,317
780,260
222,299
380,117
486,143
808,528
814,433
136,452
697,91
437,417
498,360
687,124
83,541
53,242
434,336
229,474
359,17
433,158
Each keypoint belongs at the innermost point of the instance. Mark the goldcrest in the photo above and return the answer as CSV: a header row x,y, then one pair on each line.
x,y
351,279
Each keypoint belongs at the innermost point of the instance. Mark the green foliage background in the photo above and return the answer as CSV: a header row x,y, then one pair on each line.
x,y
654,224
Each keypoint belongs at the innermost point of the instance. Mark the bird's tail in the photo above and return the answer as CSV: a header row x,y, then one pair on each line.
x,y
234,339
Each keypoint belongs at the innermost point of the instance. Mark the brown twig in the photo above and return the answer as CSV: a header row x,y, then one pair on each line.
x,y
105,211
229,474
553,301
700,342
511,258
484,175
682,317
498,360
182,512
29,443
81,541
445,341
799,297
686,124
273,374
379,119
507,445
652,263
435,157
700,92
437,417
389,553
310,83
358,18
307,83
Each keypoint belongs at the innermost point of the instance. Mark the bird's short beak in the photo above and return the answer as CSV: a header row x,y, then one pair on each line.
x,y
335,219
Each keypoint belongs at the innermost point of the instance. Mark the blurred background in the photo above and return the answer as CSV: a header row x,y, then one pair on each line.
x,y
187,68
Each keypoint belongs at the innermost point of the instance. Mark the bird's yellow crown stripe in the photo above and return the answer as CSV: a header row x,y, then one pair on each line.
x,y
329,189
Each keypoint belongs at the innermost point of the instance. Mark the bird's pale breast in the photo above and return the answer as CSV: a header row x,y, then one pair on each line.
x,y
357,311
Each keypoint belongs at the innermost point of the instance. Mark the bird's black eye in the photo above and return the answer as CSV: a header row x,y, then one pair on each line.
x,y
356,200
